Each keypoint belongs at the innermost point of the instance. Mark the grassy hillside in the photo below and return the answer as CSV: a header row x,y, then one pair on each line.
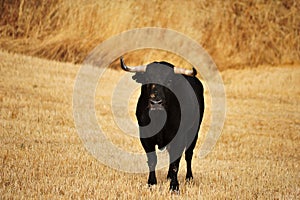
x,y
236,33
42,156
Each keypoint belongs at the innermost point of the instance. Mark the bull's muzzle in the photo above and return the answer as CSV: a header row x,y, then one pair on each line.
x,y
156,104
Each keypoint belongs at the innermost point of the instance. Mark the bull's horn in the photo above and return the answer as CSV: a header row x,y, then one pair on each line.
x,y
141,68
188,72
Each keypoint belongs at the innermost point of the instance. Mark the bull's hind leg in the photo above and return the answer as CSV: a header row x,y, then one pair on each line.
x,y
188,158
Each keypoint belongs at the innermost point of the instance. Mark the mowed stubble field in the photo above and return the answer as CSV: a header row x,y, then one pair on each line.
x,y
42,156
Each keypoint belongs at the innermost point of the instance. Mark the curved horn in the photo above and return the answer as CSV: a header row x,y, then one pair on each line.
x,y
141,68
188,72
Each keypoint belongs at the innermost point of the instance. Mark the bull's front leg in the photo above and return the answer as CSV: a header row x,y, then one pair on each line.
x,y
152,161
175,153
172,174
149,147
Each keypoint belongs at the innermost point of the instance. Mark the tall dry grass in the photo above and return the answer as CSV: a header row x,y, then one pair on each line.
x,y
236,33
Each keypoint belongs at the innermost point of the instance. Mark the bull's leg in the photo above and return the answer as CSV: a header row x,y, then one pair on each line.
x,y
149,147
188,158
175,153
173,172
152,161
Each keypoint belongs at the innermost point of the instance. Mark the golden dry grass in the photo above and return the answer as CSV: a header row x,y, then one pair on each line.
x,y
236,33
41,156
257,156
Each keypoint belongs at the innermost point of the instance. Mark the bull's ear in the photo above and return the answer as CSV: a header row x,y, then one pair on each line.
x,y
139,77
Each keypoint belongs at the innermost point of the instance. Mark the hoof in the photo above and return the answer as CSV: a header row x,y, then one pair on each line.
x,y
174,186
189,178
152,182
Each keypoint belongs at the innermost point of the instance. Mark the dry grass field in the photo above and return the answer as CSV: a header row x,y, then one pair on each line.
x,y
256,157
255,44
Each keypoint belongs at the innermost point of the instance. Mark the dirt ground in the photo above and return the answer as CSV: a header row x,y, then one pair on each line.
x,y
42,156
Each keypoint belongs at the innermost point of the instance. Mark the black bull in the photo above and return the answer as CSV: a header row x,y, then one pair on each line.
x,y
169,113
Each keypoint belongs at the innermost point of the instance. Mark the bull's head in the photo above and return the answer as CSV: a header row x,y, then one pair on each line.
x,y
157,79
